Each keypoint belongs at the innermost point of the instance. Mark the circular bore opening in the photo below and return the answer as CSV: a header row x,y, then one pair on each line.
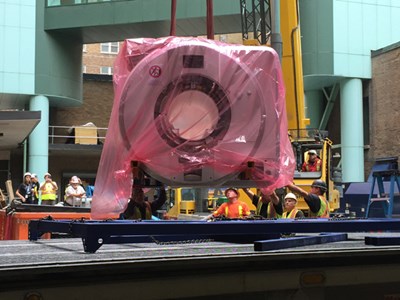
x,y
192,115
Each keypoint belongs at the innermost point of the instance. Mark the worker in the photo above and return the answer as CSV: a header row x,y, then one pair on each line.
x,y
35,188
49,190
267,206
319,206
74,192
291,211
313,164
232,209
139,207
24,191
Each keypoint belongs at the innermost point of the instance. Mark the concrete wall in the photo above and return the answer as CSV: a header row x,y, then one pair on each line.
x,y
338,35
58,64
361,26
17,50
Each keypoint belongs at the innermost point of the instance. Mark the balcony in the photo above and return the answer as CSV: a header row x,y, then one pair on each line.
x,y
96,21
83,140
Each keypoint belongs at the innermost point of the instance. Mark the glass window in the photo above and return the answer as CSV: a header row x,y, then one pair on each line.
x,y
111,48
106,70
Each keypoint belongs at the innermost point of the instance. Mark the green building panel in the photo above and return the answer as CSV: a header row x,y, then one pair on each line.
x,y
338,36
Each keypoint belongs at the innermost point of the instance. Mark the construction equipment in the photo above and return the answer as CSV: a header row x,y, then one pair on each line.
x,y
256,16
314,140
195,200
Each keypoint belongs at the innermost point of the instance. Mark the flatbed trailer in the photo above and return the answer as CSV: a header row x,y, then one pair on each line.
x,y
60,269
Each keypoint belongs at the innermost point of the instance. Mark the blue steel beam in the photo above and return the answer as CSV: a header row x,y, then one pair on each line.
x,y
298,241
382,240
96,233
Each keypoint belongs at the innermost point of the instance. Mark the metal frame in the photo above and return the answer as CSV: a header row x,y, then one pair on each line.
x,y
384,198
96,233
256,20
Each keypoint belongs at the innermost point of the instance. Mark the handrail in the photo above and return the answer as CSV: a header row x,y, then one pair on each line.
x,y
62,134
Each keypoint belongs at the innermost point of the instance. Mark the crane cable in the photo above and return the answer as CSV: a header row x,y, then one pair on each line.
x,y
172,30
210,19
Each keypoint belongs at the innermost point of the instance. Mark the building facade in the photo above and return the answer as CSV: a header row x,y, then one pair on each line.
x,y
45,74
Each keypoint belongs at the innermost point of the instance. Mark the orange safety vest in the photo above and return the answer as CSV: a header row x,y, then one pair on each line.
x,y
240,208
234,210
316,167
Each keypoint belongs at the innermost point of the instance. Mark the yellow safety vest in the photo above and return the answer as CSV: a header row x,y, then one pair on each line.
x,y
291,215
48,193
324,209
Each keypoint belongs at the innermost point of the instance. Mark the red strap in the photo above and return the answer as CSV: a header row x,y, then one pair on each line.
x,y
172,31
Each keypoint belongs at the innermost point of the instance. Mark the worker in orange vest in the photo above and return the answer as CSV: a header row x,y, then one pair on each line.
x,y
232,209
313,164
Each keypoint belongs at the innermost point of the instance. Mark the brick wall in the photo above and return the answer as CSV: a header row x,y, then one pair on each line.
x,y
98,97
94,59
385,104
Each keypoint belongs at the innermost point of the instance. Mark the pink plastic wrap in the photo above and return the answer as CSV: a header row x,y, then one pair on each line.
x,y
193,112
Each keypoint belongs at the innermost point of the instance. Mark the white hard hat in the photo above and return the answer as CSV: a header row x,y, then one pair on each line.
x,y
291,196
27,174
75,179
312,152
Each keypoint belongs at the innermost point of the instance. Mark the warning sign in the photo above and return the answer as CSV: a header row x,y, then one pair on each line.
x,y
155,71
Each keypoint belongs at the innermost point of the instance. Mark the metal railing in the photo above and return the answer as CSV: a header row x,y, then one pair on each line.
x,y
68,135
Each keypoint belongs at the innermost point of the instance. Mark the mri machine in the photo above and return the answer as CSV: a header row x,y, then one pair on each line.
x,y
195,112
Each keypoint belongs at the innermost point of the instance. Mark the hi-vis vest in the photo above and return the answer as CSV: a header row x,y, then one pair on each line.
x,y
271,212
316,167
48,193
240,211
324,209
291,215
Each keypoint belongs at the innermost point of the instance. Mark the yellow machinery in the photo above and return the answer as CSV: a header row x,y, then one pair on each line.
x,y
302,139
183,200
